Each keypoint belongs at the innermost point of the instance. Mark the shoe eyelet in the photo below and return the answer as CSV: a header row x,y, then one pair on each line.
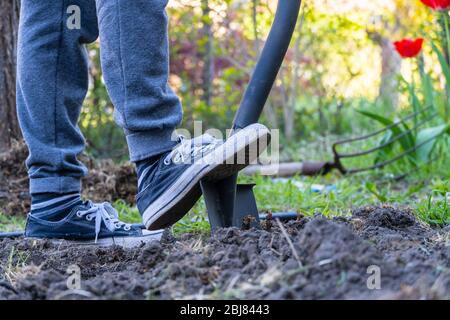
x,y
88,218
127,228
78,214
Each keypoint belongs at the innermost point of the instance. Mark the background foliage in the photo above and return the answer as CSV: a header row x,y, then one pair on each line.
x,y
341,60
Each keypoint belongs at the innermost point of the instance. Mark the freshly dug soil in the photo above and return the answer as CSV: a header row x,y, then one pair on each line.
x,y
14,197
106,181
318,259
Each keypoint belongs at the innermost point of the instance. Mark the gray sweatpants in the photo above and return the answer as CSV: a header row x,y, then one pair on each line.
x,y
52,81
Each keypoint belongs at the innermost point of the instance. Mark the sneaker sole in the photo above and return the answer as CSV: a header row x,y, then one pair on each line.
x,y
126,242
182,195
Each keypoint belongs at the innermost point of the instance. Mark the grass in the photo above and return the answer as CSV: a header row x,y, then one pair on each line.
x,y
420,192
15,265
194,222
435,210
11,223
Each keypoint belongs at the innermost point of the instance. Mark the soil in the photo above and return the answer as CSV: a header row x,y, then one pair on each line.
x,y
106,181
14,195
311,258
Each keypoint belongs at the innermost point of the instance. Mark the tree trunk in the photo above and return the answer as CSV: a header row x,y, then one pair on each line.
x,y
290,96
9,127
390,69
391,66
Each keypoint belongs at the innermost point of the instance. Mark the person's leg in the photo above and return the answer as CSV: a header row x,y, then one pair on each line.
x,y
52,81
135,63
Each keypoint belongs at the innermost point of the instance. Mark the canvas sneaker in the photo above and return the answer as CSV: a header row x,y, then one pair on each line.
x,y
170,187
91,224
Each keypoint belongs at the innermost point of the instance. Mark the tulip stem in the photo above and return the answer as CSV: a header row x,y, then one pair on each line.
x,y
413,96
447,33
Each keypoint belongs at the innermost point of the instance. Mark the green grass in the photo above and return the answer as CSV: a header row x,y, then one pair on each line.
x,y
349,192
126,213
436,209
10,223
420,192
13,268
194,222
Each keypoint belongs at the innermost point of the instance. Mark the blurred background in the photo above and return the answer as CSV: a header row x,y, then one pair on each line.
x,y
342,77
341,59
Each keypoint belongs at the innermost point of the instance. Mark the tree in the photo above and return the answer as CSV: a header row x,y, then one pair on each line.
x,y
9,127
391,65
269,111
403,19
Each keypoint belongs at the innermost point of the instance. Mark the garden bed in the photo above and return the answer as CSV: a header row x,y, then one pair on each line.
x,y
106,181
311,258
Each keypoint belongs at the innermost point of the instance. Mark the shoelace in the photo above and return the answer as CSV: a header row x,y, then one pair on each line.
x,y
106,213
189,149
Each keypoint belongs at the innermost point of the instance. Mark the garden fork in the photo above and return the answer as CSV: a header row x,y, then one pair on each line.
x,y
316,168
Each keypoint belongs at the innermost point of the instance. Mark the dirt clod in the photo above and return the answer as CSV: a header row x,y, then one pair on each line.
x,y
387,216
106,181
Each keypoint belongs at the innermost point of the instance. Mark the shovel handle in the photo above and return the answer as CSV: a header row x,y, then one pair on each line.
x,y
269,64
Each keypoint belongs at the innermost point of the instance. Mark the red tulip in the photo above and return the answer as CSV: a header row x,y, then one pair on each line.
x,y
437,4
408,48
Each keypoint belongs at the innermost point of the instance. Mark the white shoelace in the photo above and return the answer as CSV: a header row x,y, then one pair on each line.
x,y
190,149
106,213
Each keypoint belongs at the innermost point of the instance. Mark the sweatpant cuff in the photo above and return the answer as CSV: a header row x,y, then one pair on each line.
x,y
146,144
55,185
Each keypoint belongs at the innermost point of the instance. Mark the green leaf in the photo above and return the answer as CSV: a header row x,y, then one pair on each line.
x,y
406,141
372,188
415,102
428,90
423,152
383,153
